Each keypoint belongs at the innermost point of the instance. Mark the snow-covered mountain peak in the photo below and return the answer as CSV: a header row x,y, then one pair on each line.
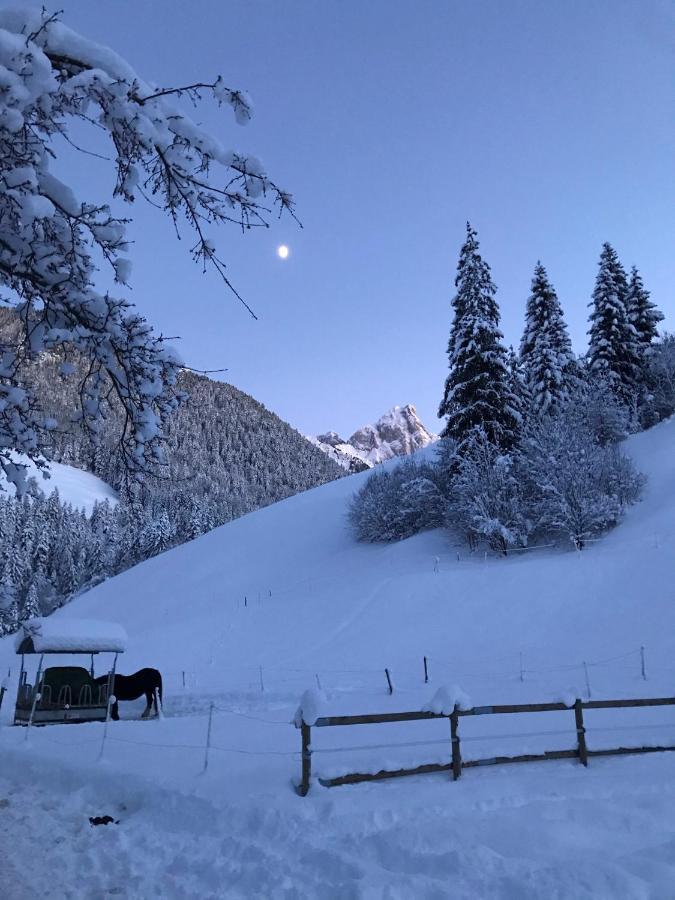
x,y
398,432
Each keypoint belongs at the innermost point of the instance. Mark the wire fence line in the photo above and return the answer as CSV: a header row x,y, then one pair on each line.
x,y
406,676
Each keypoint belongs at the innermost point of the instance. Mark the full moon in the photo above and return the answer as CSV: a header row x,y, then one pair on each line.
x,y
282,251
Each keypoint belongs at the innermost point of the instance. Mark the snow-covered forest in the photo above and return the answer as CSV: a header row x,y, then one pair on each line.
x,y
226,456
531,444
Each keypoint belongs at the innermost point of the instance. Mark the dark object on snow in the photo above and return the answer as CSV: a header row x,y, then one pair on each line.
x,y
131,687
103,820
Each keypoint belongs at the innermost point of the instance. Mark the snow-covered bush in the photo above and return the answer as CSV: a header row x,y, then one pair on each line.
x,y
397,503
487,500
598,409
52,243
578,487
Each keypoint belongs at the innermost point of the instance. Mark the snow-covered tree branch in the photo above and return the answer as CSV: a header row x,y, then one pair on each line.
x,y
51,241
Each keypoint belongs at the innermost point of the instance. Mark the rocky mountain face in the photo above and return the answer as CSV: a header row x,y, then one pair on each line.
x,y
398,433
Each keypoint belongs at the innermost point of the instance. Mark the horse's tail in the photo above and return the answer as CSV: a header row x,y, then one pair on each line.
x,y
159,688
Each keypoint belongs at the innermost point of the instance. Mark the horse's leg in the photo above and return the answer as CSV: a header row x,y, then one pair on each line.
x,y
148,708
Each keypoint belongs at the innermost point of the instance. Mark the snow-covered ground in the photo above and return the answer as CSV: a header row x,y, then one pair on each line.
x,y
78,488
246,617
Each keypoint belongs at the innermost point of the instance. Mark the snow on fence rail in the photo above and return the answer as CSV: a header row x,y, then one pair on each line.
x,y
456,764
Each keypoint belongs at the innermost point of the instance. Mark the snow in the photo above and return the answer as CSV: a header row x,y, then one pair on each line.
x,y
58,635
80,489
446,698
312,707
243,619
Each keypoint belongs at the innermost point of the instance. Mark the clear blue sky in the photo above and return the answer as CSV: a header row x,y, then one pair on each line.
x,y
550,125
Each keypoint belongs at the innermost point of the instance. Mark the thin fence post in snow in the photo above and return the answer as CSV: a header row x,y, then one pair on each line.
x,y
456,753
318,683
588,682
391,687
245,600
262,683
581,732
183,680
426,671
2,694
208,739
522,676
642,663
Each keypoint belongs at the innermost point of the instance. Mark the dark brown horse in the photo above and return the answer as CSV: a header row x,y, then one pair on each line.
x,y
131,687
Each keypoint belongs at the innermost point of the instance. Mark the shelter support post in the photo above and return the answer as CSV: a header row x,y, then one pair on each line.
x,y
111,686
36,693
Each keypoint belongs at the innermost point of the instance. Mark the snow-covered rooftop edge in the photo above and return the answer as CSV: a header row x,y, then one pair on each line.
x,y
58,635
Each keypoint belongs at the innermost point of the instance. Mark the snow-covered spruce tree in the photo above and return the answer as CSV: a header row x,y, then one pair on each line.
x,y
546,350
613,350
477,391
643,314
52,243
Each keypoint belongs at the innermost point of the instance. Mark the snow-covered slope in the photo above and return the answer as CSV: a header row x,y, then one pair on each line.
x,y
76,487
325,599
249,615
398,432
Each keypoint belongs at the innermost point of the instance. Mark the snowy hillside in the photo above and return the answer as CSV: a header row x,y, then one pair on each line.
x,y
398,432
249,615
76,488
326,599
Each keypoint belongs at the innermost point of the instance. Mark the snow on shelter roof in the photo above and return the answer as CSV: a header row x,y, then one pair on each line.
x,y
57,635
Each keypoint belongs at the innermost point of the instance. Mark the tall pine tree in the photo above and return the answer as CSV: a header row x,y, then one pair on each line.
x,y
477,392
643,315
546,354
613,348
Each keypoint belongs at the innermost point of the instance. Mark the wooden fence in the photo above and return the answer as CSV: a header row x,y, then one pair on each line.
x,y
456,764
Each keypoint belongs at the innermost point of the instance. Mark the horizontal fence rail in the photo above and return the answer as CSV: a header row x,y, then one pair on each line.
x,y
456,763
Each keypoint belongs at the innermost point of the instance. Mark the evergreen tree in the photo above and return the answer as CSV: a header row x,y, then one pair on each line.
x,y
613,349
31,605
546,350
477,392
643,315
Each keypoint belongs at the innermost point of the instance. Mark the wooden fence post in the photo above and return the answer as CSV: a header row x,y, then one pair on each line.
x,y
581,732
391,687
306,733
426,671
454,736
2,694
